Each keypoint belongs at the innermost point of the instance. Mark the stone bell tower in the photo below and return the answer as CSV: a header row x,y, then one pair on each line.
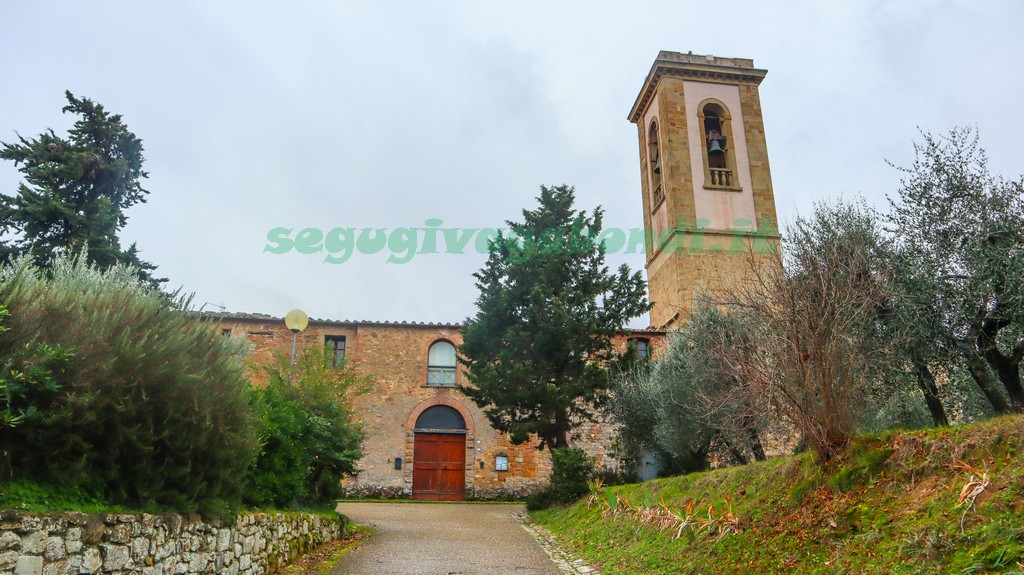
x,y
707,189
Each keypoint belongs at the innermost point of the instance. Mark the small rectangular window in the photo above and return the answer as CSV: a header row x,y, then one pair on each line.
x,y
642,348
336,348
501,462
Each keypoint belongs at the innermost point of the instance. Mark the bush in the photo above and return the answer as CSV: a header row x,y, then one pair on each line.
x,y
309,441
687,406
116,389
815,349
28,379
571,468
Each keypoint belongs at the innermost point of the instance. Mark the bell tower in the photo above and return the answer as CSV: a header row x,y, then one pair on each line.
x,y
707,189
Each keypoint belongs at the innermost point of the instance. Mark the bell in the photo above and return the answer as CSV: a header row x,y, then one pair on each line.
x,y
715,148
657,167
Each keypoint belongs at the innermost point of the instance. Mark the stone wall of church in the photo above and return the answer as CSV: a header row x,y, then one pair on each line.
x,y
393,356
705,263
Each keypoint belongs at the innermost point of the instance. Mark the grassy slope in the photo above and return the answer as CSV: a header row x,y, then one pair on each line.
x,y
888,507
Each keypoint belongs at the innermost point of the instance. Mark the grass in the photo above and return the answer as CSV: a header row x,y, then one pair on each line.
x,y
888,506
35,497
327,556
432,502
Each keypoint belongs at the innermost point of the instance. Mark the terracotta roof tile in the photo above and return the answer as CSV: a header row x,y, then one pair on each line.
x,y
364,322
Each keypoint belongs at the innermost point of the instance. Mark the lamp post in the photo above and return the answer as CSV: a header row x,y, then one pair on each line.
x,y
296,321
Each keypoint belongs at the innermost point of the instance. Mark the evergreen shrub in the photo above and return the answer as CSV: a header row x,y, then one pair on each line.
x,y
127,394
571,468
308,437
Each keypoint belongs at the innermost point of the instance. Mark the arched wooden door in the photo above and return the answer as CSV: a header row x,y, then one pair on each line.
x,y
439,455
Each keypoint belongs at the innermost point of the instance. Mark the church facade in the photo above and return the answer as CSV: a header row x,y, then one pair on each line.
x,y
423,437
708,206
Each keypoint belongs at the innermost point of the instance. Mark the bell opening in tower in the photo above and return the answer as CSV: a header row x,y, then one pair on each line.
x,y
715,139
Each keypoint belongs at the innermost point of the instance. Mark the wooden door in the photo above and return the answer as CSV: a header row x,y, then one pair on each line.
x,y
439,467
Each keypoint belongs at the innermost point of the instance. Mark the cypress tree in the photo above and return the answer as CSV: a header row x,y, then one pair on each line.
x,y
75,191
539,346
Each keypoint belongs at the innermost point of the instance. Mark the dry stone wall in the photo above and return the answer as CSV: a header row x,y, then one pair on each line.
x,y
113,544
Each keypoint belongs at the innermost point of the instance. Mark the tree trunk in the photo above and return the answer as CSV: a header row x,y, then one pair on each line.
x,y
562,439
979,371
1007,369
1008,373
926,381
754,438
698,460
560,434
737,454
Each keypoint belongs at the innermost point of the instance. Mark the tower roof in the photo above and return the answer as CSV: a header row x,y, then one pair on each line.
x,y
692,66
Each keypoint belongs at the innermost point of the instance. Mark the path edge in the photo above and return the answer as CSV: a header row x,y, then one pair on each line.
x,y
565,562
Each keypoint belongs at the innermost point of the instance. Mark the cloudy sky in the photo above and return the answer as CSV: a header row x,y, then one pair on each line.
x,y
259,115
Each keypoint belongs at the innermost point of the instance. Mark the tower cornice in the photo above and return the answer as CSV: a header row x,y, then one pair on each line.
x,y
694,67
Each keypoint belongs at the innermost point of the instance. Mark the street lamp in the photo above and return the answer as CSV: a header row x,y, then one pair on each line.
x,y
296,320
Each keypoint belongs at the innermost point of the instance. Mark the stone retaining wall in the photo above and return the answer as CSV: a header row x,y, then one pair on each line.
x,y
78,543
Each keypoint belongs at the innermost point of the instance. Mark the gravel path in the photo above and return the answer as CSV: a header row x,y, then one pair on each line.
x,y
450,539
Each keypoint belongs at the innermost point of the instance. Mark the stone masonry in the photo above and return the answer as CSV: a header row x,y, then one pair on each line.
x,y
393,357
115,544
701,238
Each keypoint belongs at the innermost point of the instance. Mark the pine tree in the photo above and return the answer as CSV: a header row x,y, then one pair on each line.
x,y
76,190
538,348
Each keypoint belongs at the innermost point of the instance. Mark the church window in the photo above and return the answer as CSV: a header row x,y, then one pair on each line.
x,y
641,345
654,166
335,348
441,364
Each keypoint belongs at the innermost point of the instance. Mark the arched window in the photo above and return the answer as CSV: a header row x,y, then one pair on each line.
x,y
441,363
717,144
641,345
441,418
654,165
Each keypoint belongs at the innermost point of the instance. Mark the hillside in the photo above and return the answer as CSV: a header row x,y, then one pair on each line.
x,y
889,506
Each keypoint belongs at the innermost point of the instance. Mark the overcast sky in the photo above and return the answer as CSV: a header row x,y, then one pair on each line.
x,y
258,115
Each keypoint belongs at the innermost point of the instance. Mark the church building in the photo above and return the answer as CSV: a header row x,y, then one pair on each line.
x,y
708,206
